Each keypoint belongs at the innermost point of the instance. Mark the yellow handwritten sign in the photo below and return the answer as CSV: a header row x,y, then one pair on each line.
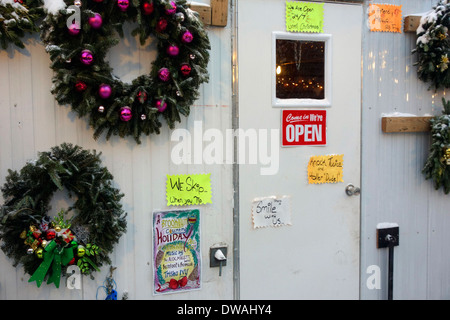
x,y
326,169
304,17
188,189
385,18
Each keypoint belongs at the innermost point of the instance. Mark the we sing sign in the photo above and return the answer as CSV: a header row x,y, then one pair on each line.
x,y
304,127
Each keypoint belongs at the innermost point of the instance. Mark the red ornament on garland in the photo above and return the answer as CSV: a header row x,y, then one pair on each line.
x,y
161,25
148,8
142,96
185,69
80,86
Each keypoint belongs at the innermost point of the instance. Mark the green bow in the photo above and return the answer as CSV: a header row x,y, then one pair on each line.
x,y
54,257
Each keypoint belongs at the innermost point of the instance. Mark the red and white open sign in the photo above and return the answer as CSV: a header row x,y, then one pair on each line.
x,y
304,127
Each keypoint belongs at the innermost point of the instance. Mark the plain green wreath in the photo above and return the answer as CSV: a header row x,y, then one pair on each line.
x,y
31,238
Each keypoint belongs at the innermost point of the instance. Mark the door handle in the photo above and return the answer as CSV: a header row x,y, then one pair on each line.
x,y
351,190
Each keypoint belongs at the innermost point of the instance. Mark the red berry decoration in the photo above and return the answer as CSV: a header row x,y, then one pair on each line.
x,y
80,86
148,8
185,69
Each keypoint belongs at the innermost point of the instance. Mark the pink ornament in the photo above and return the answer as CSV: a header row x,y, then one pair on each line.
x,y
125,113
173,8
104,91
123,4
173,51
187,37
161,106
148,8
96,21
185,69
161,25
86,57
164,74
98,1
74,29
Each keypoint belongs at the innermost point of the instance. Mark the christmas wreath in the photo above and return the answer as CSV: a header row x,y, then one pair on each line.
x,y
18,17
83,235
433,46
84,79
437,166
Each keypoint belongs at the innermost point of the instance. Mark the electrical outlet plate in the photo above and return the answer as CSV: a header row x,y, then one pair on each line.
x,y
213,262
382,233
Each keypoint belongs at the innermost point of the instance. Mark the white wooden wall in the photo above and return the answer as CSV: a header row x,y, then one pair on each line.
x,y
393,187
32,121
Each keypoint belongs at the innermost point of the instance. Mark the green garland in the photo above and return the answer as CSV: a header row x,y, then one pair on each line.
x,y
45,247
437,165
433,46
84,80
18,17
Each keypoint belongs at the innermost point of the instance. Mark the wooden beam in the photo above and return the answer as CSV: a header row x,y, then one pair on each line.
x,y
219,14
411,23
405,124
204,10
215,14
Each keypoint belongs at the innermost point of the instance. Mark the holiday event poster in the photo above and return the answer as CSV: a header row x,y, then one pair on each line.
x,y
304,17
176,251
326,169
188,189
271,211
304,128
385,18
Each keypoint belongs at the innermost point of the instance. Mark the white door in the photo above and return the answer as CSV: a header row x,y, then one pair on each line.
x,y
317,255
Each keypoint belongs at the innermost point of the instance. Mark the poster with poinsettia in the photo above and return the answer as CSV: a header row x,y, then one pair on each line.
x,y
176,251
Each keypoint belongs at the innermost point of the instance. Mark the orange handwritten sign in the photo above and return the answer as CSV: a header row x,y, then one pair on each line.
x,y
385,18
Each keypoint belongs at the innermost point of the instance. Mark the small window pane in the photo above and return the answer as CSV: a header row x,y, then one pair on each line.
x,y
300,69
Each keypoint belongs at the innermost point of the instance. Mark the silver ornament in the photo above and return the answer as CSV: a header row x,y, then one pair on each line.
x,y
101,109
143,117
77,3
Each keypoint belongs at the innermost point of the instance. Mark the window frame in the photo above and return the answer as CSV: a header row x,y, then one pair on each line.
x,y
304,102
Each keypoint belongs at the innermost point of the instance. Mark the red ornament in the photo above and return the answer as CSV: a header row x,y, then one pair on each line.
x,y
185,69
161,25
148,8
142,96
80,86
51,234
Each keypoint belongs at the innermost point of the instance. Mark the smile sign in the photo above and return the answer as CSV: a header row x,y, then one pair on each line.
x,y
304,127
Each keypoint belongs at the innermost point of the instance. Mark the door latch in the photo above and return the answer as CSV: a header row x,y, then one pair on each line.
x,y
351,190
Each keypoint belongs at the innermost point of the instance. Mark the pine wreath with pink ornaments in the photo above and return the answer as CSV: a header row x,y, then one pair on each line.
x,y
84,79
